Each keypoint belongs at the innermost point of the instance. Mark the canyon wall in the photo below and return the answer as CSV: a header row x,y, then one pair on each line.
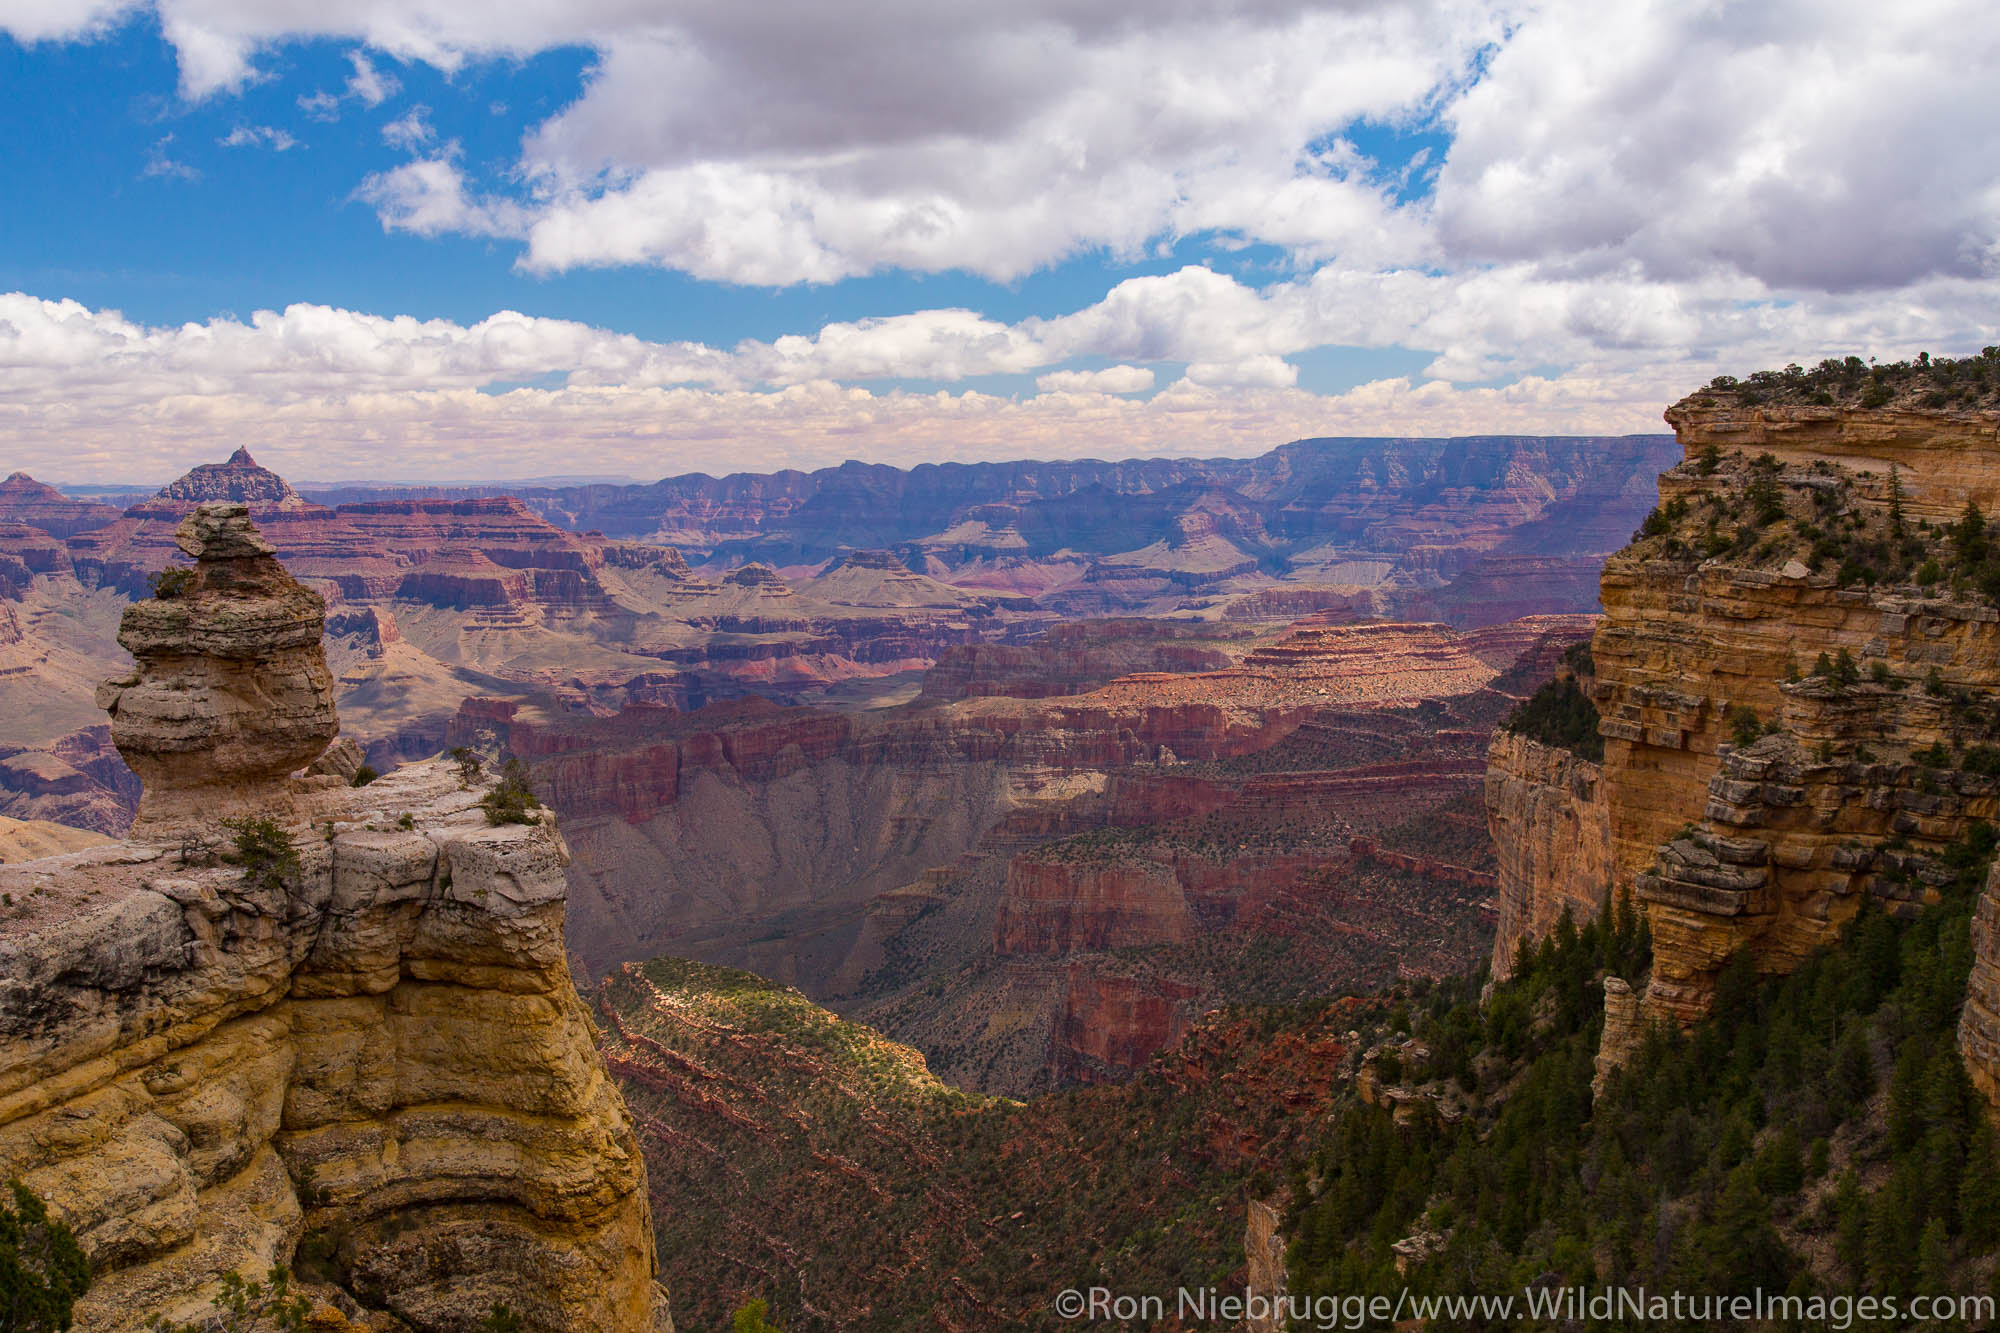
x,y
1798,686
344,1040
1552,836
1772,846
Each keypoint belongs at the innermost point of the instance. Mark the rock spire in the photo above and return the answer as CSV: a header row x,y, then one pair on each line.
x,y
232,692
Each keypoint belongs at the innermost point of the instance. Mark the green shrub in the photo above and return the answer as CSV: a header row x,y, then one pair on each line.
x,y
248,1306
171,582
1744,728
1982,760
511,801
264,849
364,775
42,1269
753,1317
1560,714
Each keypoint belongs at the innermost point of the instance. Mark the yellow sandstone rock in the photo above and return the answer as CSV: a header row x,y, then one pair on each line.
x,y
372,1067
1552,835
1748,799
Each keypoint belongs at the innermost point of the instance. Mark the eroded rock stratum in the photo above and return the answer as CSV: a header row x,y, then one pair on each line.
x,y
370,1065
1798,676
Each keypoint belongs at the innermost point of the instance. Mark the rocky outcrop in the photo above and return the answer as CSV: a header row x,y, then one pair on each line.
x,y
1944,457
1786,833
1264,1276
1797,677
1551,831
1057,906
232,692
1111,1024
1979,1024
349,1044
1624,1029
380,1050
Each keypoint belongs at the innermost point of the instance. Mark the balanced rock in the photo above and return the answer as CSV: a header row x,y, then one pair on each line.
x,y
232,693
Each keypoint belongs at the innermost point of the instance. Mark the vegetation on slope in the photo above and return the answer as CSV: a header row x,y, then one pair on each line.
x,y
809,1162
1561,713
42,1269
1759,513
1933,383
1816,1135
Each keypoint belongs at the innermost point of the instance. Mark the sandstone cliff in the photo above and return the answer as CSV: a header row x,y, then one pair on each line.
x,y
1798,675
362,1057
1552,836
1714,622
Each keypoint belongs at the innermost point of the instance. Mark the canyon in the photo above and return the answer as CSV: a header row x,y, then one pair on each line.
x,y
827,753
810,580
803,1158
1777,750
337,1033
1048,889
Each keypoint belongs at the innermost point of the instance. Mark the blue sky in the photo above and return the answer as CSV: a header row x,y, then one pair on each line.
x,y
425,241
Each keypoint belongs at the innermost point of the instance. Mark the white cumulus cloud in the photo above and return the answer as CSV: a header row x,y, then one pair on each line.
x,y
1112,379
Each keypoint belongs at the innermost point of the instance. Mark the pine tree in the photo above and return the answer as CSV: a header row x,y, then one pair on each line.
x,y
1934,1260
42,1269
1850,1210
1979,1191
1741,1250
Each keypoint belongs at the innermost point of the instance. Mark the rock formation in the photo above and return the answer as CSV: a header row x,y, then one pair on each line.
x,y
350,1045
1788,833
1798,676
1552,835
238,480
232,694
1979,1024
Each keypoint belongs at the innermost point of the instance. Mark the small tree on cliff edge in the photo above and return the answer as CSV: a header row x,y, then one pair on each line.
x,y
511,801
42,1269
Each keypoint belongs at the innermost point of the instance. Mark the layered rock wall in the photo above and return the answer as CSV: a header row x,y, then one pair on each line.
x,y
1797,676
381,1056
1773,846
343,1039
1551,827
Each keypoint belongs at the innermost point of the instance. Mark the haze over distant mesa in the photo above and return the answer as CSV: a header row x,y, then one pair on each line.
x,y
434,242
